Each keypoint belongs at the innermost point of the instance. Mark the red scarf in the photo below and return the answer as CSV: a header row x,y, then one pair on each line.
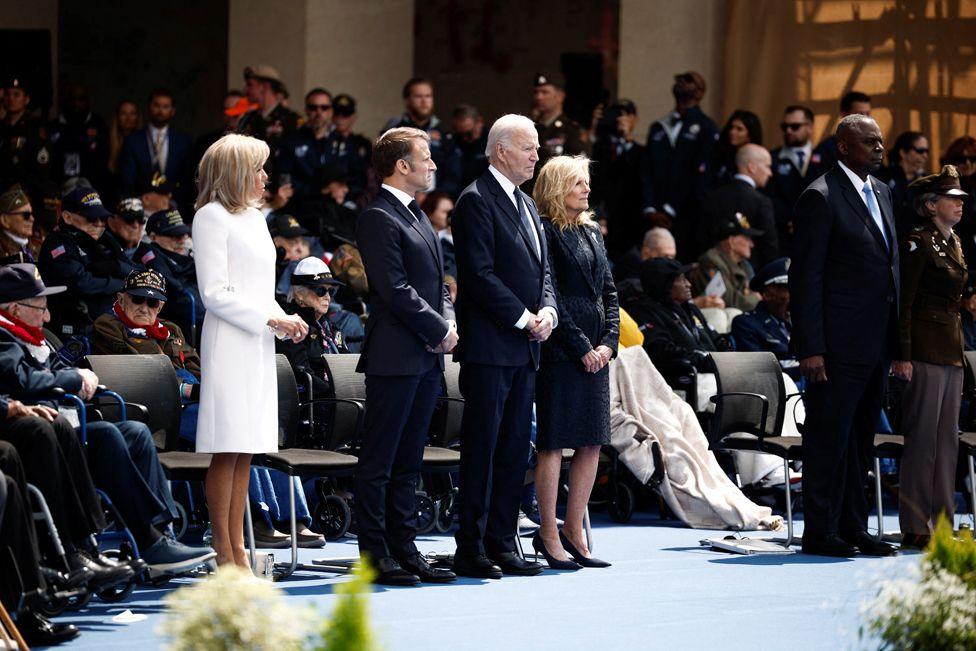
x,y
21,330
156,330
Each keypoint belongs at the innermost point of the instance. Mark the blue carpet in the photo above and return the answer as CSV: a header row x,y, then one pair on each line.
x,y
663,592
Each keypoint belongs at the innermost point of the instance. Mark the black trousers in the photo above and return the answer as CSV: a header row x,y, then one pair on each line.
x,y
55,462
495,433
398,411
842,418
19,556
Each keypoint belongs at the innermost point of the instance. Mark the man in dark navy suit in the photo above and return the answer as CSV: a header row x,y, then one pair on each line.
x,y
158,148
844,303
410,327
506,308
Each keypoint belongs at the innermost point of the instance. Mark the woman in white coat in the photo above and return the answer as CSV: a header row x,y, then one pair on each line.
x,y
235,264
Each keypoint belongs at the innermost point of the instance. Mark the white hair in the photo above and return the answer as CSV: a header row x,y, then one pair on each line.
x,y
504,129
656,236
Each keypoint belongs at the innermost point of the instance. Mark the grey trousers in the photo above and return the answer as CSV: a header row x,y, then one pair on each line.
x,y
930,421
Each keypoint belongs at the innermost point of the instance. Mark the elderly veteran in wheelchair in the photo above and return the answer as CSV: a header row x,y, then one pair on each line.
x,y
134,327
121,456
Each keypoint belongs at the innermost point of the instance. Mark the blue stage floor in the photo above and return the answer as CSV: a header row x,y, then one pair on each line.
x,y
663,592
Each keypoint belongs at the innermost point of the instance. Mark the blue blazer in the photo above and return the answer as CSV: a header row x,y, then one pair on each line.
x,y
499,276
409,302
844,280
135,161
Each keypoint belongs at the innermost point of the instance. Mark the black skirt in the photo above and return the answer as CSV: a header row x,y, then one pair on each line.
x,y
572,406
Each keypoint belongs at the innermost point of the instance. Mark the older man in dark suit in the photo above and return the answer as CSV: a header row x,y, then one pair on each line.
x,y
506,308
410,327
844,301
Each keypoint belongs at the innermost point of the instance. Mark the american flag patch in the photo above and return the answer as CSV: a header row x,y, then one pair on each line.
x,y
58,251
148,257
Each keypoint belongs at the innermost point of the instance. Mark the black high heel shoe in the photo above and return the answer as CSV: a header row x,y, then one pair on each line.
x,y
540,547
577,556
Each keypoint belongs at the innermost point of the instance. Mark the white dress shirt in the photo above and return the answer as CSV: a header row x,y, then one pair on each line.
x,y
745,178
858,184
509,188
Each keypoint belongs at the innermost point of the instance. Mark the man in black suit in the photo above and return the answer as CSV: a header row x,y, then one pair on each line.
x,y
844,302
158,149
410,328
794,166
506,308
742,195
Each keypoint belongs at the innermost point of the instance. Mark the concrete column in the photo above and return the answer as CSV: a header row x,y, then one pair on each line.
x,y
268,33
659,38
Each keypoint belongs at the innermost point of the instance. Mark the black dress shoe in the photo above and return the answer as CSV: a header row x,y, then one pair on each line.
x,y
418,565
389,572
103,577
478,566
828,545
585,561
66,580
869,545
540,547
38,630
917,541
514,565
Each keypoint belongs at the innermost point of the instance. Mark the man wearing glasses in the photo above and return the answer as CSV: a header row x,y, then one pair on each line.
x,y
125,227
73,256
17,224
305,154
794,166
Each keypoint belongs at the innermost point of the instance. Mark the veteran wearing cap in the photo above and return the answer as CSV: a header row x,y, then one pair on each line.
x,y
17,224
124,229
166,252
933,275
767,327
271,121
558,134
73,256
730,258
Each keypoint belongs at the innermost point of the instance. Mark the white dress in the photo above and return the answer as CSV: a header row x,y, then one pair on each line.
x,y
235,263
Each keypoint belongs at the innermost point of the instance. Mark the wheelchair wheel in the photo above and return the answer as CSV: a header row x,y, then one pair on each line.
x,y
121,591
182,522
332,517
445,513
56,606
621,504
426,513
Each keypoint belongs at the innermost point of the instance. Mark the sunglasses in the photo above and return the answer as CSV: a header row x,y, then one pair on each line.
x,y
322,290
132,219
967,159
26,214
96,220
792,126
920,150
150,302
318,107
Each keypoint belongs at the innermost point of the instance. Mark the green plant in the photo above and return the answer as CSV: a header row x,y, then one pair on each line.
x,y
349,629
955,555
233,610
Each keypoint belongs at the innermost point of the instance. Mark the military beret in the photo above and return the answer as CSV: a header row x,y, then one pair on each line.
x,y
13,198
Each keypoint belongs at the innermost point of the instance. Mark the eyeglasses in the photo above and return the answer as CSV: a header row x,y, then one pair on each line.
x,y
26,214
130,219
792,126
318,107
920,150
321,291
34,307
150,302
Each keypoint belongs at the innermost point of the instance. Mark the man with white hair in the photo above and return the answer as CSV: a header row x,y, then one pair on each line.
x,y
506,308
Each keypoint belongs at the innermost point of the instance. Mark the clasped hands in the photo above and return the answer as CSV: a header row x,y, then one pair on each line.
x,y
291,326
596,359
539,326
448,343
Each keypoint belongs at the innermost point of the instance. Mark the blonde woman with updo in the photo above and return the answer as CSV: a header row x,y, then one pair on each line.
x,y
235,263
573,383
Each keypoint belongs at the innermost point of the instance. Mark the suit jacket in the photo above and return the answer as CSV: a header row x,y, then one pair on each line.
x,y
410,306
136,166
739,196
499,276
677,175
587,298
844,281
785,187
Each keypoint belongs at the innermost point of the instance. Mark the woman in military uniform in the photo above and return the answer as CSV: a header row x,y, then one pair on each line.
x,y
933,274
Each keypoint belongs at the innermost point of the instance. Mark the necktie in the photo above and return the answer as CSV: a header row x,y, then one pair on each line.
x,y
425,226
158,147
415,209
527,222
875,210
800,155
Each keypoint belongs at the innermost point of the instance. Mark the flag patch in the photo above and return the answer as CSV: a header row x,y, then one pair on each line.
x,y
58,251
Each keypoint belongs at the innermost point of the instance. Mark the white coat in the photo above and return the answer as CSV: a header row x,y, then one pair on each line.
x,y
235,263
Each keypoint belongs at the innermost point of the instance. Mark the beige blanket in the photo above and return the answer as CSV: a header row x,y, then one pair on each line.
x,y
643,408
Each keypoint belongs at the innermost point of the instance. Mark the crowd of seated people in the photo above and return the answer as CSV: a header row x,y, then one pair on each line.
x,y
104,212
